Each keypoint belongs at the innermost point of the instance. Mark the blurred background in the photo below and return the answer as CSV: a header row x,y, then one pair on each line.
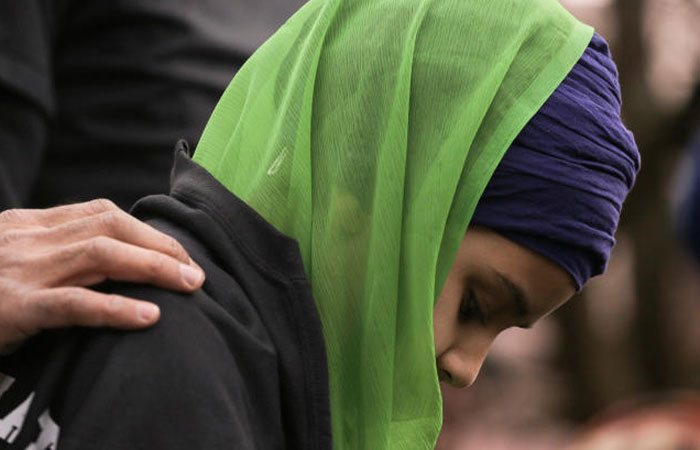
x,y
619,366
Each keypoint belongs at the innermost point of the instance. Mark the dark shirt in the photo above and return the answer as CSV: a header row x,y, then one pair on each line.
x,y
238,364
94,93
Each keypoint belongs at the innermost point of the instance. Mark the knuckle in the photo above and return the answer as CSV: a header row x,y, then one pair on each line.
x,y
65,254
112,305
46,304
158,266
70,306
16,297
12,254
109,221
97,248
11,215
66,302
11,236
176,248
13,262
101,205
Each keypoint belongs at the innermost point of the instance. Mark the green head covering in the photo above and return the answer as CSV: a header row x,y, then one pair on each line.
x,y
367,130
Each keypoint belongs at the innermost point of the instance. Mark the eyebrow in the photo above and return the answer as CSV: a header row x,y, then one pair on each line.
x,y
517,294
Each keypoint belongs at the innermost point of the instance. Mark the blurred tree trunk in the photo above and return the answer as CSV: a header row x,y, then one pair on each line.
x,y
646,221
646,212
660,136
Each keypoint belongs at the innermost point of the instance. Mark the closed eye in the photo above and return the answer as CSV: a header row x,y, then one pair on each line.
x,y
469,309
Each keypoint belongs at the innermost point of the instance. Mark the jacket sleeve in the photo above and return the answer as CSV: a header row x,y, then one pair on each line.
x,y
27,96
199,379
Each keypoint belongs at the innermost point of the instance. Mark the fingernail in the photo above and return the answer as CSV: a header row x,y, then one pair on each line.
x,y
191,275
147,312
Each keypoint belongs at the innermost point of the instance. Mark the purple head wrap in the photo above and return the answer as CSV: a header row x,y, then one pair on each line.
x,y
560,186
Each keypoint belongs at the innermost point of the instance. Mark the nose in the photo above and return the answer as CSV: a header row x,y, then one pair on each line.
x,y
459,369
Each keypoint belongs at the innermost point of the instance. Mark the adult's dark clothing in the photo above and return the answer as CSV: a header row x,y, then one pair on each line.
x,y
93,93
238,364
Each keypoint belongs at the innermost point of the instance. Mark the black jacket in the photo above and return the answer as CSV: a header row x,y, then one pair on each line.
x,y
239,364
93,93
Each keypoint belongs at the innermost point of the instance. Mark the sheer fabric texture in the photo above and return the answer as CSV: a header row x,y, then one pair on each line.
x,y
367,130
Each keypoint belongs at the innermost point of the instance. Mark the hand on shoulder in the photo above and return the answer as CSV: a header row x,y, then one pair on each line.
x,y
48,257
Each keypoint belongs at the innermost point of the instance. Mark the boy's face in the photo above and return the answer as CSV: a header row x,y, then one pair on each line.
x,y
494,284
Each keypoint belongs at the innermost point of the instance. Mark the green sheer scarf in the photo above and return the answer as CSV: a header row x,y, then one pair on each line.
x,y
367,130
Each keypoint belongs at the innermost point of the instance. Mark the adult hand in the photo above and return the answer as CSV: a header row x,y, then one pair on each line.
x,y
48,256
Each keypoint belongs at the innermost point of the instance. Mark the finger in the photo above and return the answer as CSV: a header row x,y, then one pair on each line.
x,y
117,260
67,306
116,224
58,214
